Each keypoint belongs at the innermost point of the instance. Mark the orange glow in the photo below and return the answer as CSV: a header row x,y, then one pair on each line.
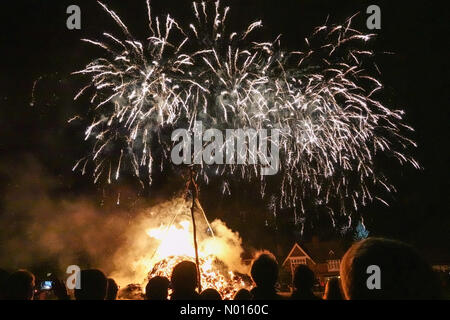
x,y
176,245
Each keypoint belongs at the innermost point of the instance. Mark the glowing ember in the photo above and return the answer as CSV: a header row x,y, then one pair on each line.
x,y
214,274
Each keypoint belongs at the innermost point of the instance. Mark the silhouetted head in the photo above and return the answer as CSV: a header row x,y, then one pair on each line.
x,y
94,285
113,288
401,272
157,288
4,275
264,270
333,290
184,277
243,295
19,286
304,278
210,294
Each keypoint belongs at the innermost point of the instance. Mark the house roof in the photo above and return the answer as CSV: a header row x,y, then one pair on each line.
x,y
325,250
318,251
297,251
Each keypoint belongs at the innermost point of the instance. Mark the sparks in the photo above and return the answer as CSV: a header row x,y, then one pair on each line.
x,y
322,98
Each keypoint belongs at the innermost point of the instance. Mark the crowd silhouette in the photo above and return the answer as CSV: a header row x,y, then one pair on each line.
x,y
406,275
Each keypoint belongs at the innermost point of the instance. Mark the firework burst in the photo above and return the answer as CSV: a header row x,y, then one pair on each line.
x,y
322,99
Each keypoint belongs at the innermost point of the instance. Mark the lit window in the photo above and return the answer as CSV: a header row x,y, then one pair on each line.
x,y
333,265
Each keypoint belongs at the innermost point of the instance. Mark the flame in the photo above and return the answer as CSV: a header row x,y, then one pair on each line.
x,y
176,245
174,241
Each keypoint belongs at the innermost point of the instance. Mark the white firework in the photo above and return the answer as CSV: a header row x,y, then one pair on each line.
x,y
322,98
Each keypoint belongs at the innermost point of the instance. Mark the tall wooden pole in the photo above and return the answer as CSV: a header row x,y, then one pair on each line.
x,y
194,192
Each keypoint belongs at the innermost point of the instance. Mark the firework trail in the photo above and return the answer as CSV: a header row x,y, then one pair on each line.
x,y
322,99
138,93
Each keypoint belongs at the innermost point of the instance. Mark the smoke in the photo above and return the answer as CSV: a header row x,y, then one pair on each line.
x,y
133,258
39,228
227,246
164,230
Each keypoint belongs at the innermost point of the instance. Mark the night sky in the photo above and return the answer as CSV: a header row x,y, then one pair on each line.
x,y
37,48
